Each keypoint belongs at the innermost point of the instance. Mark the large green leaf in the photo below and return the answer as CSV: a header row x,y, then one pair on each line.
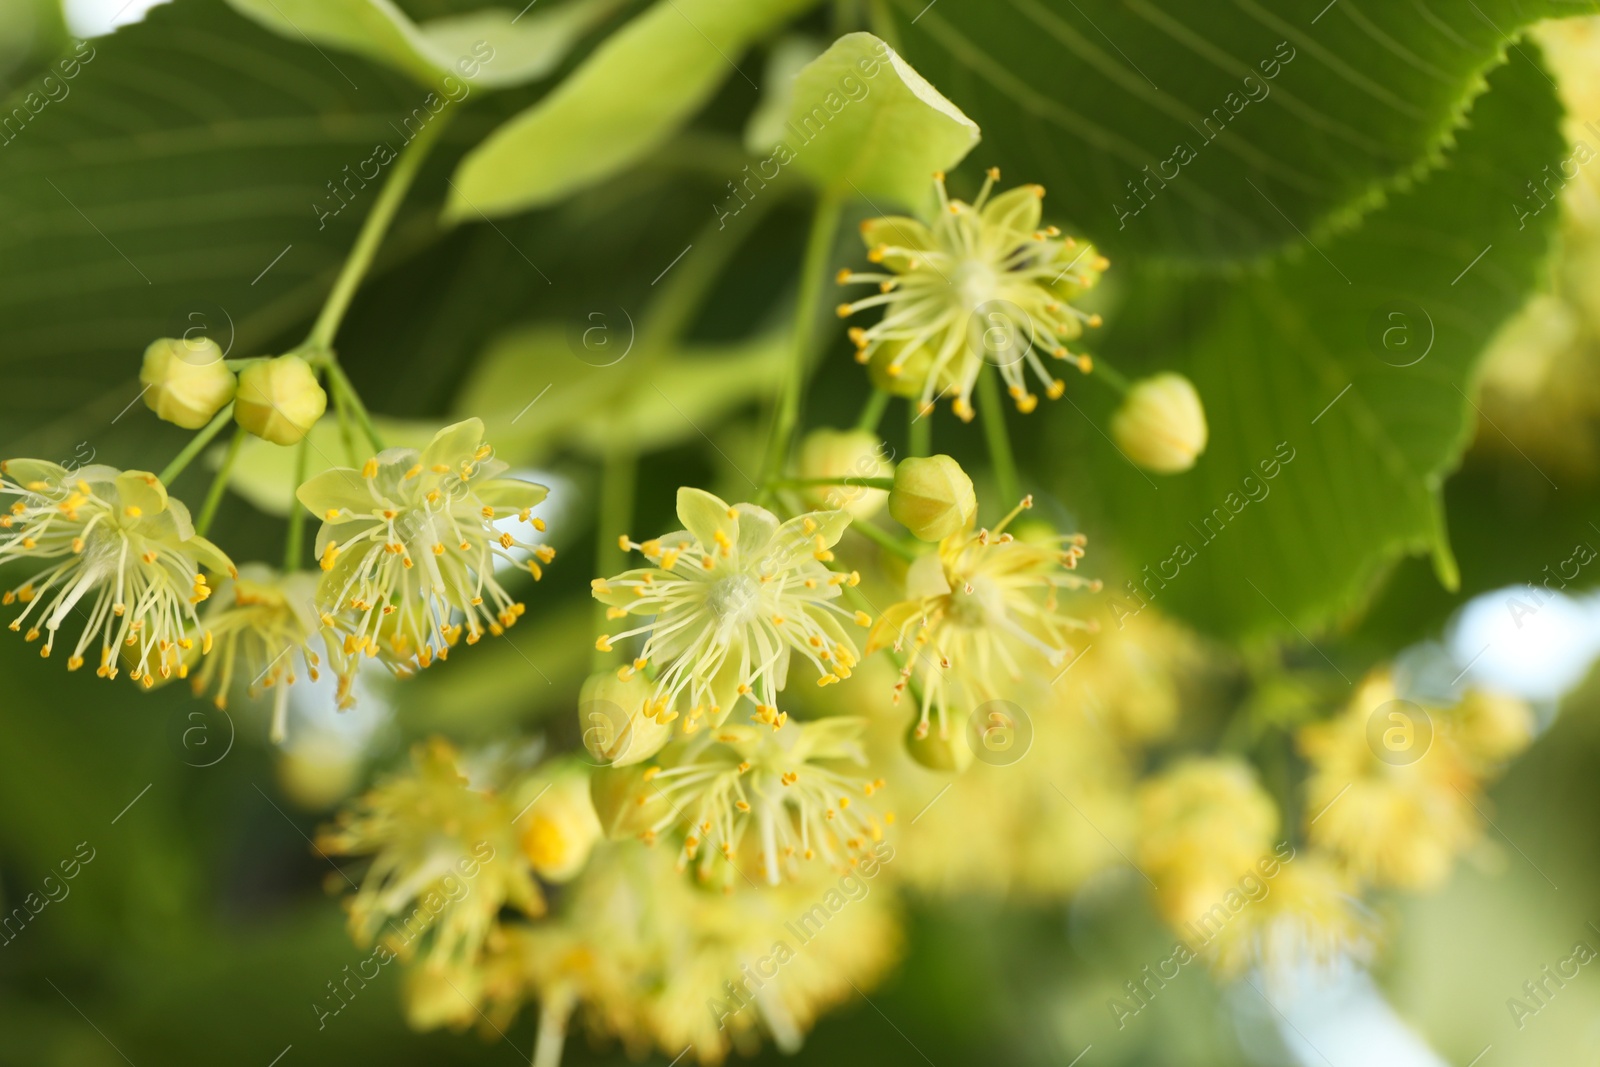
x,y
633,93
1356,358
492,47
186,182
1255,118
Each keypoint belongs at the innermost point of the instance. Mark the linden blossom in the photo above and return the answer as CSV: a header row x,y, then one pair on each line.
x,y
851,887
731,598
978,281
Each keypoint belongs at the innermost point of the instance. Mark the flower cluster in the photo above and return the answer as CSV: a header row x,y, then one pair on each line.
x,y
980,613
764,801
116,551
731,599
409,545
1399,816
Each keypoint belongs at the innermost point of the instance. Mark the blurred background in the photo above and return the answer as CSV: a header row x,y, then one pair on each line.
x,y
200,927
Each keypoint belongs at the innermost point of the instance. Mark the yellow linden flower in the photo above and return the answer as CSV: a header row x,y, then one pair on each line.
x,y
978,613
1401,817
730,600
118,552
1306,913
446,852
982,283
656,963
1048,792
736,781
1204,823
259,625
408,546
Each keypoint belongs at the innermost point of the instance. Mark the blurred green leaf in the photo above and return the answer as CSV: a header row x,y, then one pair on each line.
x,y
500,47
643,401
264,473
634,92
862,121
31,33
1214,132
1302,373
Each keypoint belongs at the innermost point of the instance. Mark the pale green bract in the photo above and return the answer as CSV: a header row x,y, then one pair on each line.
x,y
862,121
500,47
630,96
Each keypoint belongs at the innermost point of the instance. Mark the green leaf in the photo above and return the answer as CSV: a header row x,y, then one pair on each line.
x,y
493,47
633,93
861,120
1345,372
1253,119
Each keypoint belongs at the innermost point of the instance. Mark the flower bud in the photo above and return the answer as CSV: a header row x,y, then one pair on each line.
x,y
932,497
186,381
279,399
1161,424
844,454
621,724
559,827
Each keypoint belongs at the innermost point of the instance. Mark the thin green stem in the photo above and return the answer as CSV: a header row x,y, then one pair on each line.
x,y
819,245
1099,368
872,411
919,430
359,261
883,540
341,411
208,510
196,445
994,431
807,483
339,381
294,544
618,476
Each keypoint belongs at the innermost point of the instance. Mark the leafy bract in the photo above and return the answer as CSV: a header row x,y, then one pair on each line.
x,y
639,87
494,47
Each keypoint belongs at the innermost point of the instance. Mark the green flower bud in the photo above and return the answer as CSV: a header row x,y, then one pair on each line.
x,y
620,723
186,381
1161,424
932,497
279,399
844,454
